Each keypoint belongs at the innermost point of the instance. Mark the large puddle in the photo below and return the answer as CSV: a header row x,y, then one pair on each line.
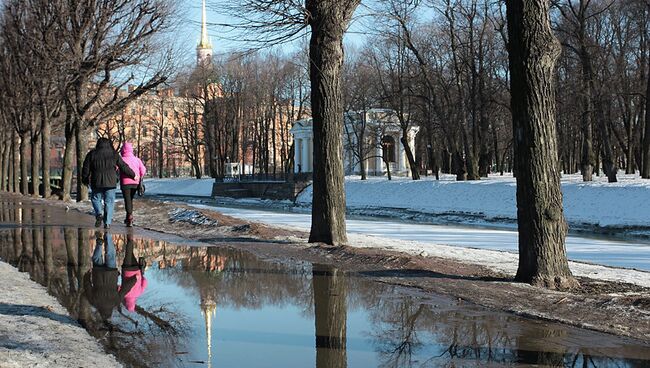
x,y
221,307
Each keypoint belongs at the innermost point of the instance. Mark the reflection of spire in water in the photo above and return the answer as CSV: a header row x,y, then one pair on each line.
x,y
209,310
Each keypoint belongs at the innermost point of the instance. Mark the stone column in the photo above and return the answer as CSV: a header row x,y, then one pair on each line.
x,y
305,154
401,156
310,155
379,163
297,157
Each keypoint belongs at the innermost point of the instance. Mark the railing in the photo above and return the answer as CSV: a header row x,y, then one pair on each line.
x,y
263,177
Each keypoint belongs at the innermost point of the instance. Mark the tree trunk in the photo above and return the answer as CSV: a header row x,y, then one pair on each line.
x,y
328,21
24,174
45,157
161,151
587,163
330,315
68,161
36,160
14,180
609,166
81,139
533,51
459,166
362,154
645,171
471,165
415,174
6,150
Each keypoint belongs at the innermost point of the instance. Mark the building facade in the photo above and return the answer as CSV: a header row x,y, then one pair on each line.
x,y
372,136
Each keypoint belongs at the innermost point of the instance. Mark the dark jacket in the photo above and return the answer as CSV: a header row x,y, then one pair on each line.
x,y
99,168
101,290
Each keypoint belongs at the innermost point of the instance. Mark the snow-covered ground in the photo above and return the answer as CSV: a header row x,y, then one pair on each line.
x,y
598,203
626,203
495,249
610,252
36,331
180,186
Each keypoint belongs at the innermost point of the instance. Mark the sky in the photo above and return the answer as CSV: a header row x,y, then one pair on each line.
x,y
189,16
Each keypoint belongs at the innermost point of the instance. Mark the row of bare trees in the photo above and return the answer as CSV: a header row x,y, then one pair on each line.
x,y
250,102
463,69
62,64
443,65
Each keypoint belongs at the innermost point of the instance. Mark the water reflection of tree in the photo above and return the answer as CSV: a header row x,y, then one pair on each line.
x,y
409,333
330,314
242,280
58,259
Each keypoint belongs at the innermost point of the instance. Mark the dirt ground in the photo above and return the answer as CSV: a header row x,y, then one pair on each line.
x,y
616,308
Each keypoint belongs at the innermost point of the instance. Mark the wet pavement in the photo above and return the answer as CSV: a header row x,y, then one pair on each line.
x,y
175,304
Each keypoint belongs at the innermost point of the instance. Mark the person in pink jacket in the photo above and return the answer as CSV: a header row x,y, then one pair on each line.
x,y
129,186
132,274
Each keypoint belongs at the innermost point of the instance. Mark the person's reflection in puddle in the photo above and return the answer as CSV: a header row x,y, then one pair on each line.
x,y
100,283
132,274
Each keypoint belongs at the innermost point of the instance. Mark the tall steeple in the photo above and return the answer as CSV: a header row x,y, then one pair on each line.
x,y
204,48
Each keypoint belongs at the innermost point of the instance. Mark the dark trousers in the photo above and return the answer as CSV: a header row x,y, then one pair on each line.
x,y
129,258
128,192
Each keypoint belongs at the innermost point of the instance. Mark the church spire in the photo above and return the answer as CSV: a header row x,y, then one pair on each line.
x,y
204,49
205,42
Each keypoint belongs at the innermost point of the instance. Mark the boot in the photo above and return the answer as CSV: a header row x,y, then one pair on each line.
x,y
142,263
98,221
129,221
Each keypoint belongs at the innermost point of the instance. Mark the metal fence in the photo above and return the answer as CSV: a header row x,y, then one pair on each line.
x,y
264,177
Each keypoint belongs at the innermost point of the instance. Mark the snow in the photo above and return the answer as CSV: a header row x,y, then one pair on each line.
x,y
192,217
610,252
598,203
495,249
181,187
36,331
505,262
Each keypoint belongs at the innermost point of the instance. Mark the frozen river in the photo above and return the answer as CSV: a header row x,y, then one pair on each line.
x,y
596,249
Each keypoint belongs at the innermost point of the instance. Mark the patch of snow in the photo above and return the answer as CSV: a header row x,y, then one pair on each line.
x,y
179,186
501,261
191,217
499,247
610,252
36,331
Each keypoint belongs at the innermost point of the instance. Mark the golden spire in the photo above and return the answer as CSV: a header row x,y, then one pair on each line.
x,y
205,42
209,310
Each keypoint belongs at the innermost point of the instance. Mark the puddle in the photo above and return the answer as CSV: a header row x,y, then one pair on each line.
x,y
218,307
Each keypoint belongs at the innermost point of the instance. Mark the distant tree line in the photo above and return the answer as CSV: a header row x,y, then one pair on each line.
x,y
62,64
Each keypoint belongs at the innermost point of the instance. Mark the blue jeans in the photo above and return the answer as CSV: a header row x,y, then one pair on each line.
x,y
103,202
98,254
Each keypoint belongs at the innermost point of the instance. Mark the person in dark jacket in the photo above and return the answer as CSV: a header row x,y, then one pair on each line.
x,y
100,283
100,172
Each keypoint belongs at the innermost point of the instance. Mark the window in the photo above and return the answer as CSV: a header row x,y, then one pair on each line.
x,y
388,148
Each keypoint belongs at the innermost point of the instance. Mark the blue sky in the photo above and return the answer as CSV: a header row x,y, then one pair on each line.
x,y
188,35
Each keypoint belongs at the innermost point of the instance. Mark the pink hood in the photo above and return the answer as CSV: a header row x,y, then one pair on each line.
x,y
132,296
134,163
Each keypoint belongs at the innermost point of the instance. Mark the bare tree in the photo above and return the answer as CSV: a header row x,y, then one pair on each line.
x,y
104,40
533,51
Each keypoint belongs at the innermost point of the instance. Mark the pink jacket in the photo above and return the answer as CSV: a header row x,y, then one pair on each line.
x,y
134,163
140,284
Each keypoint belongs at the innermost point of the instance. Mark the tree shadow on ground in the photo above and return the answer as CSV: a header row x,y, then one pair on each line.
x,y
31,310
414,273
